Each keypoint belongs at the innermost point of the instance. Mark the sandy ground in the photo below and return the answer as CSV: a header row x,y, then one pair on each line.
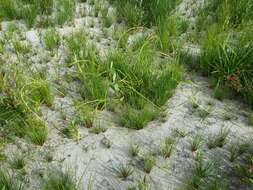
x,y
94,163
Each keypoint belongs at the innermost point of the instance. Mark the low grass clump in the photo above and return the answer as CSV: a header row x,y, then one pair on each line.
x,y
72,130
18,161
226,14
58,179
98,129
136,119
196,143
149,162
86,114
51,39
245,171
167,147
219,139
37,130
37,92
9,182
154,13
134,150
237,148
202,175
123,171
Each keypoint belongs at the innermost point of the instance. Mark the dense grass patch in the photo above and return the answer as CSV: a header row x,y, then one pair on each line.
x,y
227,48
37,12
136,79
8,182
59,180
20,101
226,14
146,12
229,60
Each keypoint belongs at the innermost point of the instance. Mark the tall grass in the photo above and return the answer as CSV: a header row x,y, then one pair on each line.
x,y
149,12
21,96
66,10
31,10
8,182
156,13
227,51
226,14
133,78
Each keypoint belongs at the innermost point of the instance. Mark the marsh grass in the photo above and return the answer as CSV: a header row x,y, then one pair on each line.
x,y
36,130
196,143
123,171
149,162
204,112
181,133
36,93
66,11
226,14
250,119
136,119
237,148
228,48
9,182
202,173
134,150
72,130
20,47
25,10
167,147
18,161
203,168
58,179
244,170
97,129
218,140
147,12
86,114
132,77
51,39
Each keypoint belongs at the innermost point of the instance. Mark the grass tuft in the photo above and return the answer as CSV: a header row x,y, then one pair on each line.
x,y
218,140
37,130
9,182
72,130
123,171
58,179
167,147
149,162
